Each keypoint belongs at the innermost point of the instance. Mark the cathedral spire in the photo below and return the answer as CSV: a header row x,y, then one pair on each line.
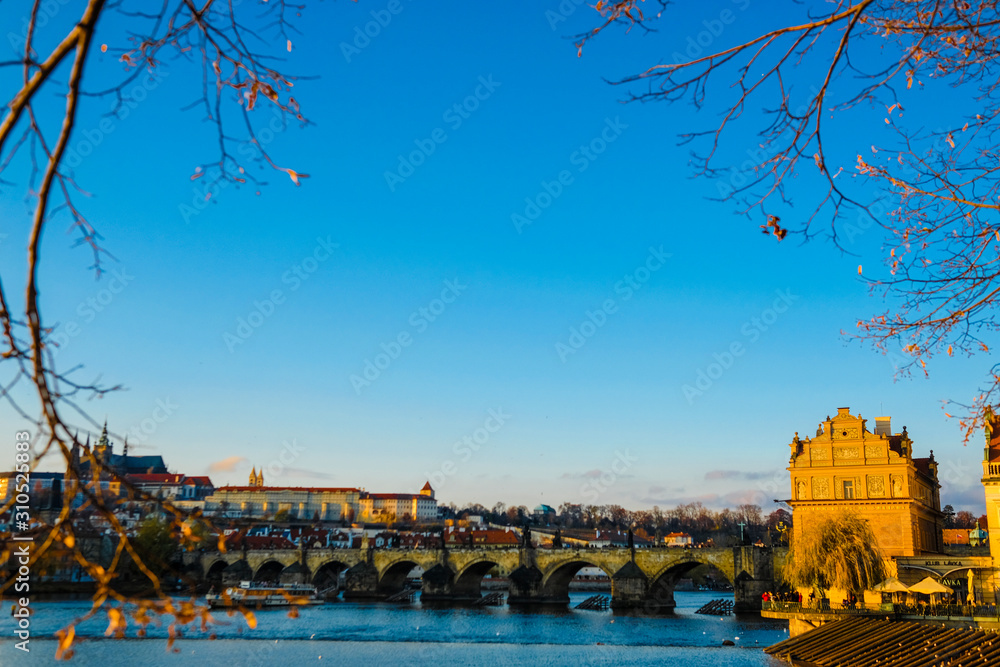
x,y
253,476
103,449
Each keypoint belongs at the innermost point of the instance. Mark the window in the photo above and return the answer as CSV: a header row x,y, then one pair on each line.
x,y
848,489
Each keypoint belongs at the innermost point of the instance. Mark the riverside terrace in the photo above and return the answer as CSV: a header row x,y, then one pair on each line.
x,y
641,579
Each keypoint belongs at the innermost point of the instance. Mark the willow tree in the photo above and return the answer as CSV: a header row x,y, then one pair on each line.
x,y
928,180
231,50
838,552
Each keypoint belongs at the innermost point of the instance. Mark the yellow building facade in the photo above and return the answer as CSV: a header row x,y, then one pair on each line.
x,y
991,483
872,473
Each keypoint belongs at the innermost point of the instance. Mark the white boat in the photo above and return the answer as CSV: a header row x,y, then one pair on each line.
x,y
259,596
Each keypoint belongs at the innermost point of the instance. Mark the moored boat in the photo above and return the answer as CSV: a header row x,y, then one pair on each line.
x,y
260,596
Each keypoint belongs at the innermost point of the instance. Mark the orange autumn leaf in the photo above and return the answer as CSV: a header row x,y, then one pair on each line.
x,y
295,176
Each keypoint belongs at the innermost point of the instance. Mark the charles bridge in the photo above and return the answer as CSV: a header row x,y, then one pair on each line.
x,y
641,579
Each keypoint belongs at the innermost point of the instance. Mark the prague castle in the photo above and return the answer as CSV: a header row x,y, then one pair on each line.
x,y
320,503
875,475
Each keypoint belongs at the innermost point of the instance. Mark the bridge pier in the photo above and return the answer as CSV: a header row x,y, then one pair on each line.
x,y
236,572
756,576
525,588
439,585
296,573
629,587
361,582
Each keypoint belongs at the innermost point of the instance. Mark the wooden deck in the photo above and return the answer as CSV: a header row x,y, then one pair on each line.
x,y
869,642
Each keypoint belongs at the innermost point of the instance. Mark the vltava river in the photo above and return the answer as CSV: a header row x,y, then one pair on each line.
x,y
380,634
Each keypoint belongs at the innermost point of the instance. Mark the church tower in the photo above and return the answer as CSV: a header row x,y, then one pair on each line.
x,y
427,491
75,452
991,480
104,449
253,476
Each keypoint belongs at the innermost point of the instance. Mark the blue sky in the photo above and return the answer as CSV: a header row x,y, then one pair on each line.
x,y
353,257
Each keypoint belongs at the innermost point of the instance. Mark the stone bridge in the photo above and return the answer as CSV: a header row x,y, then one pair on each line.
x,y
641,579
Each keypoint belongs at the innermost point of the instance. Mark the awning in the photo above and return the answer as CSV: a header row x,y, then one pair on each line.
x,y
890,585
929,585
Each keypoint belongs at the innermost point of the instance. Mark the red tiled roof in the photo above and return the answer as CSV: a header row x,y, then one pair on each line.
x,y
311,489
480,537
155,478
236,540
203,481
392,496
266,541
427,487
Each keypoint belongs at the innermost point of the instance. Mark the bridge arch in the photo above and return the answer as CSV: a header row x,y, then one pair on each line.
x,y
555,583
213,575
393,577
328,575
269,570
469,581
660,597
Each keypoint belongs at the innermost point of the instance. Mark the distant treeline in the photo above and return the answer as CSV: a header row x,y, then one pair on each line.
x,y
721,527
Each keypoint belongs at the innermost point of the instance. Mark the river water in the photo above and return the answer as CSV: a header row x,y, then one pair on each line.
x,y
343,633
